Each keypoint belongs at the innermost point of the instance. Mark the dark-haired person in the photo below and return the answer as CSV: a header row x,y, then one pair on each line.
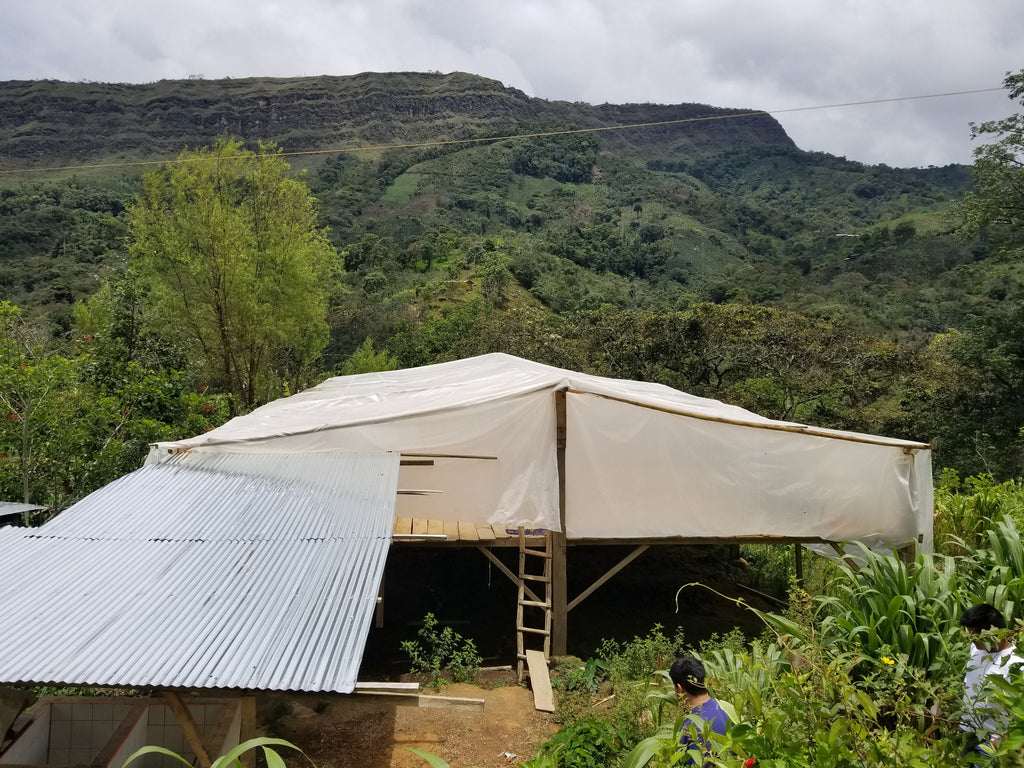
x,y
706,714
992,653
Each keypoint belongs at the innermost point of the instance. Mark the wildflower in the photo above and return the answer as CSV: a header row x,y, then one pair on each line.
x,y
207,407
749,762
127,410
88,338
202,387
887,660
14,416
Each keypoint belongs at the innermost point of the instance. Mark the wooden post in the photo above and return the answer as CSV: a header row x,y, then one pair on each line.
x,y
247,729
559,586
798,549
189,727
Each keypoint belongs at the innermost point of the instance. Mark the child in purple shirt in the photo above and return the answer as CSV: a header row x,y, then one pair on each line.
x,y
687,674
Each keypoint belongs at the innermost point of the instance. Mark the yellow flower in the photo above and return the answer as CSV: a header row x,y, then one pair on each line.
x,y
887,660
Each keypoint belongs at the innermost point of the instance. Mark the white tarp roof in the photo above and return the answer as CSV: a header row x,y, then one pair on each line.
x,y
642,460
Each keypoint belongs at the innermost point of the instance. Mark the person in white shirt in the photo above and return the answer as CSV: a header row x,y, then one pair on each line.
x,y
992,653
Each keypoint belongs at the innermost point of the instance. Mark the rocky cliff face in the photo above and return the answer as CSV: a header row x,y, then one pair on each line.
x,y
58,122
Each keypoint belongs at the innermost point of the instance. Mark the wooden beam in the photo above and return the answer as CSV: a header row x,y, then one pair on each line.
x,y
906,446
188,727
426,702
559,572
798,553
361,687
447,456
611,572
248,729
505,569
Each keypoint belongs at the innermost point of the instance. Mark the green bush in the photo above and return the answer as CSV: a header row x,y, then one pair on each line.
x,y
641,657
442,650
588,743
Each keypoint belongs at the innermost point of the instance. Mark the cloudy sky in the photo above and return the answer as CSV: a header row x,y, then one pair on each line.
x,y
770,55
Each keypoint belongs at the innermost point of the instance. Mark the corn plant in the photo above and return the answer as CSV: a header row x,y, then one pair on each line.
x,y
231,758
886,606
994,572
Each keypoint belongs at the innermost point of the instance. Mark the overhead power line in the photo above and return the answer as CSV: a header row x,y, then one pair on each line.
x,y
488,139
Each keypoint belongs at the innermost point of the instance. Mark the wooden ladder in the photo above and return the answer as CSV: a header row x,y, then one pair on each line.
x,y
530,599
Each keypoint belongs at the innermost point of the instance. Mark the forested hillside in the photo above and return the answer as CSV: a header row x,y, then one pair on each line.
x,y
667,243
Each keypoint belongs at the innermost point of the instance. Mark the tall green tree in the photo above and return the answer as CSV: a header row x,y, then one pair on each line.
x,y
239,269
996,206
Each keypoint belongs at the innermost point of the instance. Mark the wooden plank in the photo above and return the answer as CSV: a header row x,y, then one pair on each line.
x,y
403,525
368,686
484,533
500,532
543,698
247,729
467,532
451,530
188,727
435,527
449,456
419,525
426,702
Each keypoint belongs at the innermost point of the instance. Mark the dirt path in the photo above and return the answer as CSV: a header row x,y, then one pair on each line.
x,y
360,732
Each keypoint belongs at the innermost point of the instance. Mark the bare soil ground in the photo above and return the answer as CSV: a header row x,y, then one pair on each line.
x,y
361,731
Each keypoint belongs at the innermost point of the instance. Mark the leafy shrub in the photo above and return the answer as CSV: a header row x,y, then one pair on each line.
x,y
964,510
443,650
588,743
585,676
639,658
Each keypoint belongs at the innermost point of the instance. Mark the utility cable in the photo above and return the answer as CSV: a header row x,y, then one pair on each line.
x,y
488,139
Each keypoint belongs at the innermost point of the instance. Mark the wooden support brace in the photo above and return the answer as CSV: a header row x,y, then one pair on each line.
x,y
798,552
247,729
188,727
611,572
504,569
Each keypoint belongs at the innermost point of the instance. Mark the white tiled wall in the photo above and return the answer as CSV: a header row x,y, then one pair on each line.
x,y
73,732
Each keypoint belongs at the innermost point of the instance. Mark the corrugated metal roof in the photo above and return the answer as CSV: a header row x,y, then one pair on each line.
x,y
17,508
213,571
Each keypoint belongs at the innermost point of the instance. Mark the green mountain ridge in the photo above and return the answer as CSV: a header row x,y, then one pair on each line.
x,y
79,122
688,203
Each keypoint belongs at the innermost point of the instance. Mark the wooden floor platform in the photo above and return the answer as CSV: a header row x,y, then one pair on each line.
x,y
408,529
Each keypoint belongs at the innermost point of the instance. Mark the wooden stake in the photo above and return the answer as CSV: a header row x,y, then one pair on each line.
x,y
188,727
